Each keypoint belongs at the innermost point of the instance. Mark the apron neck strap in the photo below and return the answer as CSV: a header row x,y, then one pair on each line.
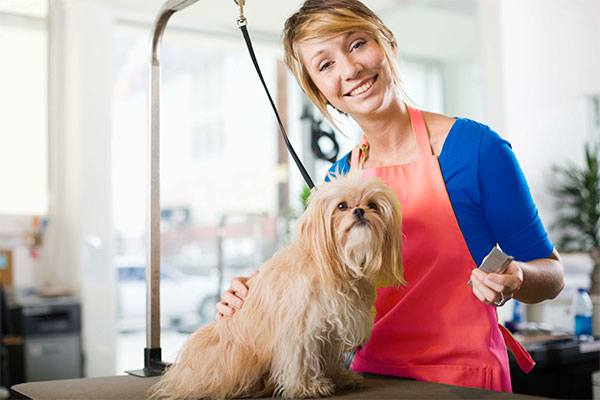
x,y
420,130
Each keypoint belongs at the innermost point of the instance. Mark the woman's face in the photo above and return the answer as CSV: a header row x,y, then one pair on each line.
x,y
351,72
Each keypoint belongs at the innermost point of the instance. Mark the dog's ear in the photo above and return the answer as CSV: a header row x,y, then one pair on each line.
x,y
392,256
315,237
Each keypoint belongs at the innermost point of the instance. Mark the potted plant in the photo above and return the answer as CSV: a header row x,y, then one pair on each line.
x,y
577,193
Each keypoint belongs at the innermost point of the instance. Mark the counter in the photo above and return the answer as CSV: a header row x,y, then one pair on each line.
x,y
131,387
563,369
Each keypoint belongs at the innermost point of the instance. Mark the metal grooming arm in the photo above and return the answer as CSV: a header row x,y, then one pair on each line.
x,y
153,364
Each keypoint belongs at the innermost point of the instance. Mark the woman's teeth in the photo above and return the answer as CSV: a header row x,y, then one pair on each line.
x,y
362,88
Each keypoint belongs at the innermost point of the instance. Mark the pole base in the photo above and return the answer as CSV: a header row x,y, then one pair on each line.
x,y
153,365
145,372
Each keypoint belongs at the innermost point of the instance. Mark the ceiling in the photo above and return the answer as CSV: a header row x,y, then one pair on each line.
x,y
268,16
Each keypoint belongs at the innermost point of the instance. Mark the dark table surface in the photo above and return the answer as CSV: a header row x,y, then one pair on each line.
x,y
131,387
563,370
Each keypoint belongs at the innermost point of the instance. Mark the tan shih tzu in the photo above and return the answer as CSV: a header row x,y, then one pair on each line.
x,y
311,302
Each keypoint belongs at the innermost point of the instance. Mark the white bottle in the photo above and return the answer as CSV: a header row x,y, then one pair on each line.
x,y
582,310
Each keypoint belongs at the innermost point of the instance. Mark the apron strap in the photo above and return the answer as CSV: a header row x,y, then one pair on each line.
x,y
521,355
420,129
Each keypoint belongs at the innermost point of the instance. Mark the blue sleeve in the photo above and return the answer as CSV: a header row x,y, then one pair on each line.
x,y
507,203
340,167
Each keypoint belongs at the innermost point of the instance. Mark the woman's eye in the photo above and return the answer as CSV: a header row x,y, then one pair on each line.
x,y
372,206
325,66
342,206
358,44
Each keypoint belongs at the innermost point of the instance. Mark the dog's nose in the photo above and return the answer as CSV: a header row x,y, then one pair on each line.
x,y
359,212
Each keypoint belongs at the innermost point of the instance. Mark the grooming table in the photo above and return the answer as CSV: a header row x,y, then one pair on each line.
x,y
132,387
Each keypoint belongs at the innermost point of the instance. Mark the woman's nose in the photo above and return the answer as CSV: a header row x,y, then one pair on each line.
x,y
351,68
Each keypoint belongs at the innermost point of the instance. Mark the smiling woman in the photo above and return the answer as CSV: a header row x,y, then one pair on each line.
x,y
446,173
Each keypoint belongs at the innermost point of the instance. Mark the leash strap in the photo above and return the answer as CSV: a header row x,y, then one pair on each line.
x,y
305,175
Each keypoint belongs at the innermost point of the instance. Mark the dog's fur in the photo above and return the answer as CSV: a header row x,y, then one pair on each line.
x,y
311,302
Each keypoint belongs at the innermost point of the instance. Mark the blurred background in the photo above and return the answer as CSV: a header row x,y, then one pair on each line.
x,y
73,147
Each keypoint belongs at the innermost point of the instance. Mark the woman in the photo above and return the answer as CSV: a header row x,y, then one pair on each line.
x,y
462,193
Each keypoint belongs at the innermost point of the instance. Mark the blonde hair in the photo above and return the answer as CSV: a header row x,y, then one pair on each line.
x,y
324,19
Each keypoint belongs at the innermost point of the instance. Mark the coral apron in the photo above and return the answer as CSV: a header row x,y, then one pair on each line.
x,y
434,328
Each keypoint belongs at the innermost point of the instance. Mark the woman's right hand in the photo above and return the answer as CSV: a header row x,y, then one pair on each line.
x,y
232,299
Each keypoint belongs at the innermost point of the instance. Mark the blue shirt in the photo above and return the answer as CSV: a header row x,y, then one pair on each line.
x,y
488,192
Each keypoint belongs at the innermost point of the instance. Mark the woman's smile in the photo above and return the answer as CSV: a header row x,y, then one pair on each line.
x,y
362,87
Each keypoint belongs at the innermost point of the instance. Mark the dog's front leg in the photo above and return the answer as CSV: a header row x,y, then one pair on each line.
x,y
299,368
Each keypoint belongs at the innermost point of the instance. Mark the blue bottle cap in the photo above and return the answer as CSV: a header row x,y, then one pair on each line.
x,y
580,290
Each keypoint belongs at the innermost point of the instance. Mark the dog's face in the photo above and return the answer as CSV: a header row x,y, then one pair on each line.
x,y
353,225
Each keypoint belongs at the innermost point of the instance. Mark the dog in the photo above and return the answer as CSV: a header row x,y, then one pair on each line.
x,y
312,302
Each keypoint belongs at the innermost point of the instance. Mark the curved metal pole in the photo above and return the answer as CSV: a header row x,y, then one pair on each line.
x,y
153,364
153,223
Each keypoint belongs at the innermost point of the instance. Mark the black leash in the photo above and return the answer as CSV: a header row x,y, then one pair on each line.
x,y
241,22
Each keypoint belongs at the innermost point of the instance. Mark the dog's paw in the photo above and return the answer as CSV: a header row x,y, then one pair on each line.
x,y
320,387
348,380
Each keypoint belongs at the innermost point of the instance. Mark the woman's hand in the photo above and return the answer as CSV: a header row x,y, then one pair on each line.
x,y
232,299
497,289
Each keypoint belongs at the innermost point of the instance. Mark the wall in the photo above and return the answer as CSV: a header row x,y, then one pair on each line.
x,y
542,67
449,39
540,63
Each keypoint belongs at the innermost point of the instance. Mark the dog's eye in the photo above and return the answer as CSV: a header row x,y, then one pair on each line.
x,y
342,206
372,206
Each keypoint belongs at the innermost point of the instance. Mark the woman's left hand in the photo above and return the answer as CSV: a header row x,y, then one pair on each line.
x,y
497,289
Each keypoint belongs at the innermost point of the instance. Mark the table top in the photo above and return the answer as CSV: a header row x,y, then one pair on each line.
x,y
560,351
132,387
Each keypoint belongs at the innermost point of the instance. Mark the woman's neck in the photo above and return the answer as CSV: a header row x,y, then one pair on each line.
x,y
390,136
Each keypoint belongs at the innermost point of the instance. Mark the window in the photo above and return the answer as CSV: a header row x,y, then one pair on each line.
x,y
218,177
23,108
422,82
